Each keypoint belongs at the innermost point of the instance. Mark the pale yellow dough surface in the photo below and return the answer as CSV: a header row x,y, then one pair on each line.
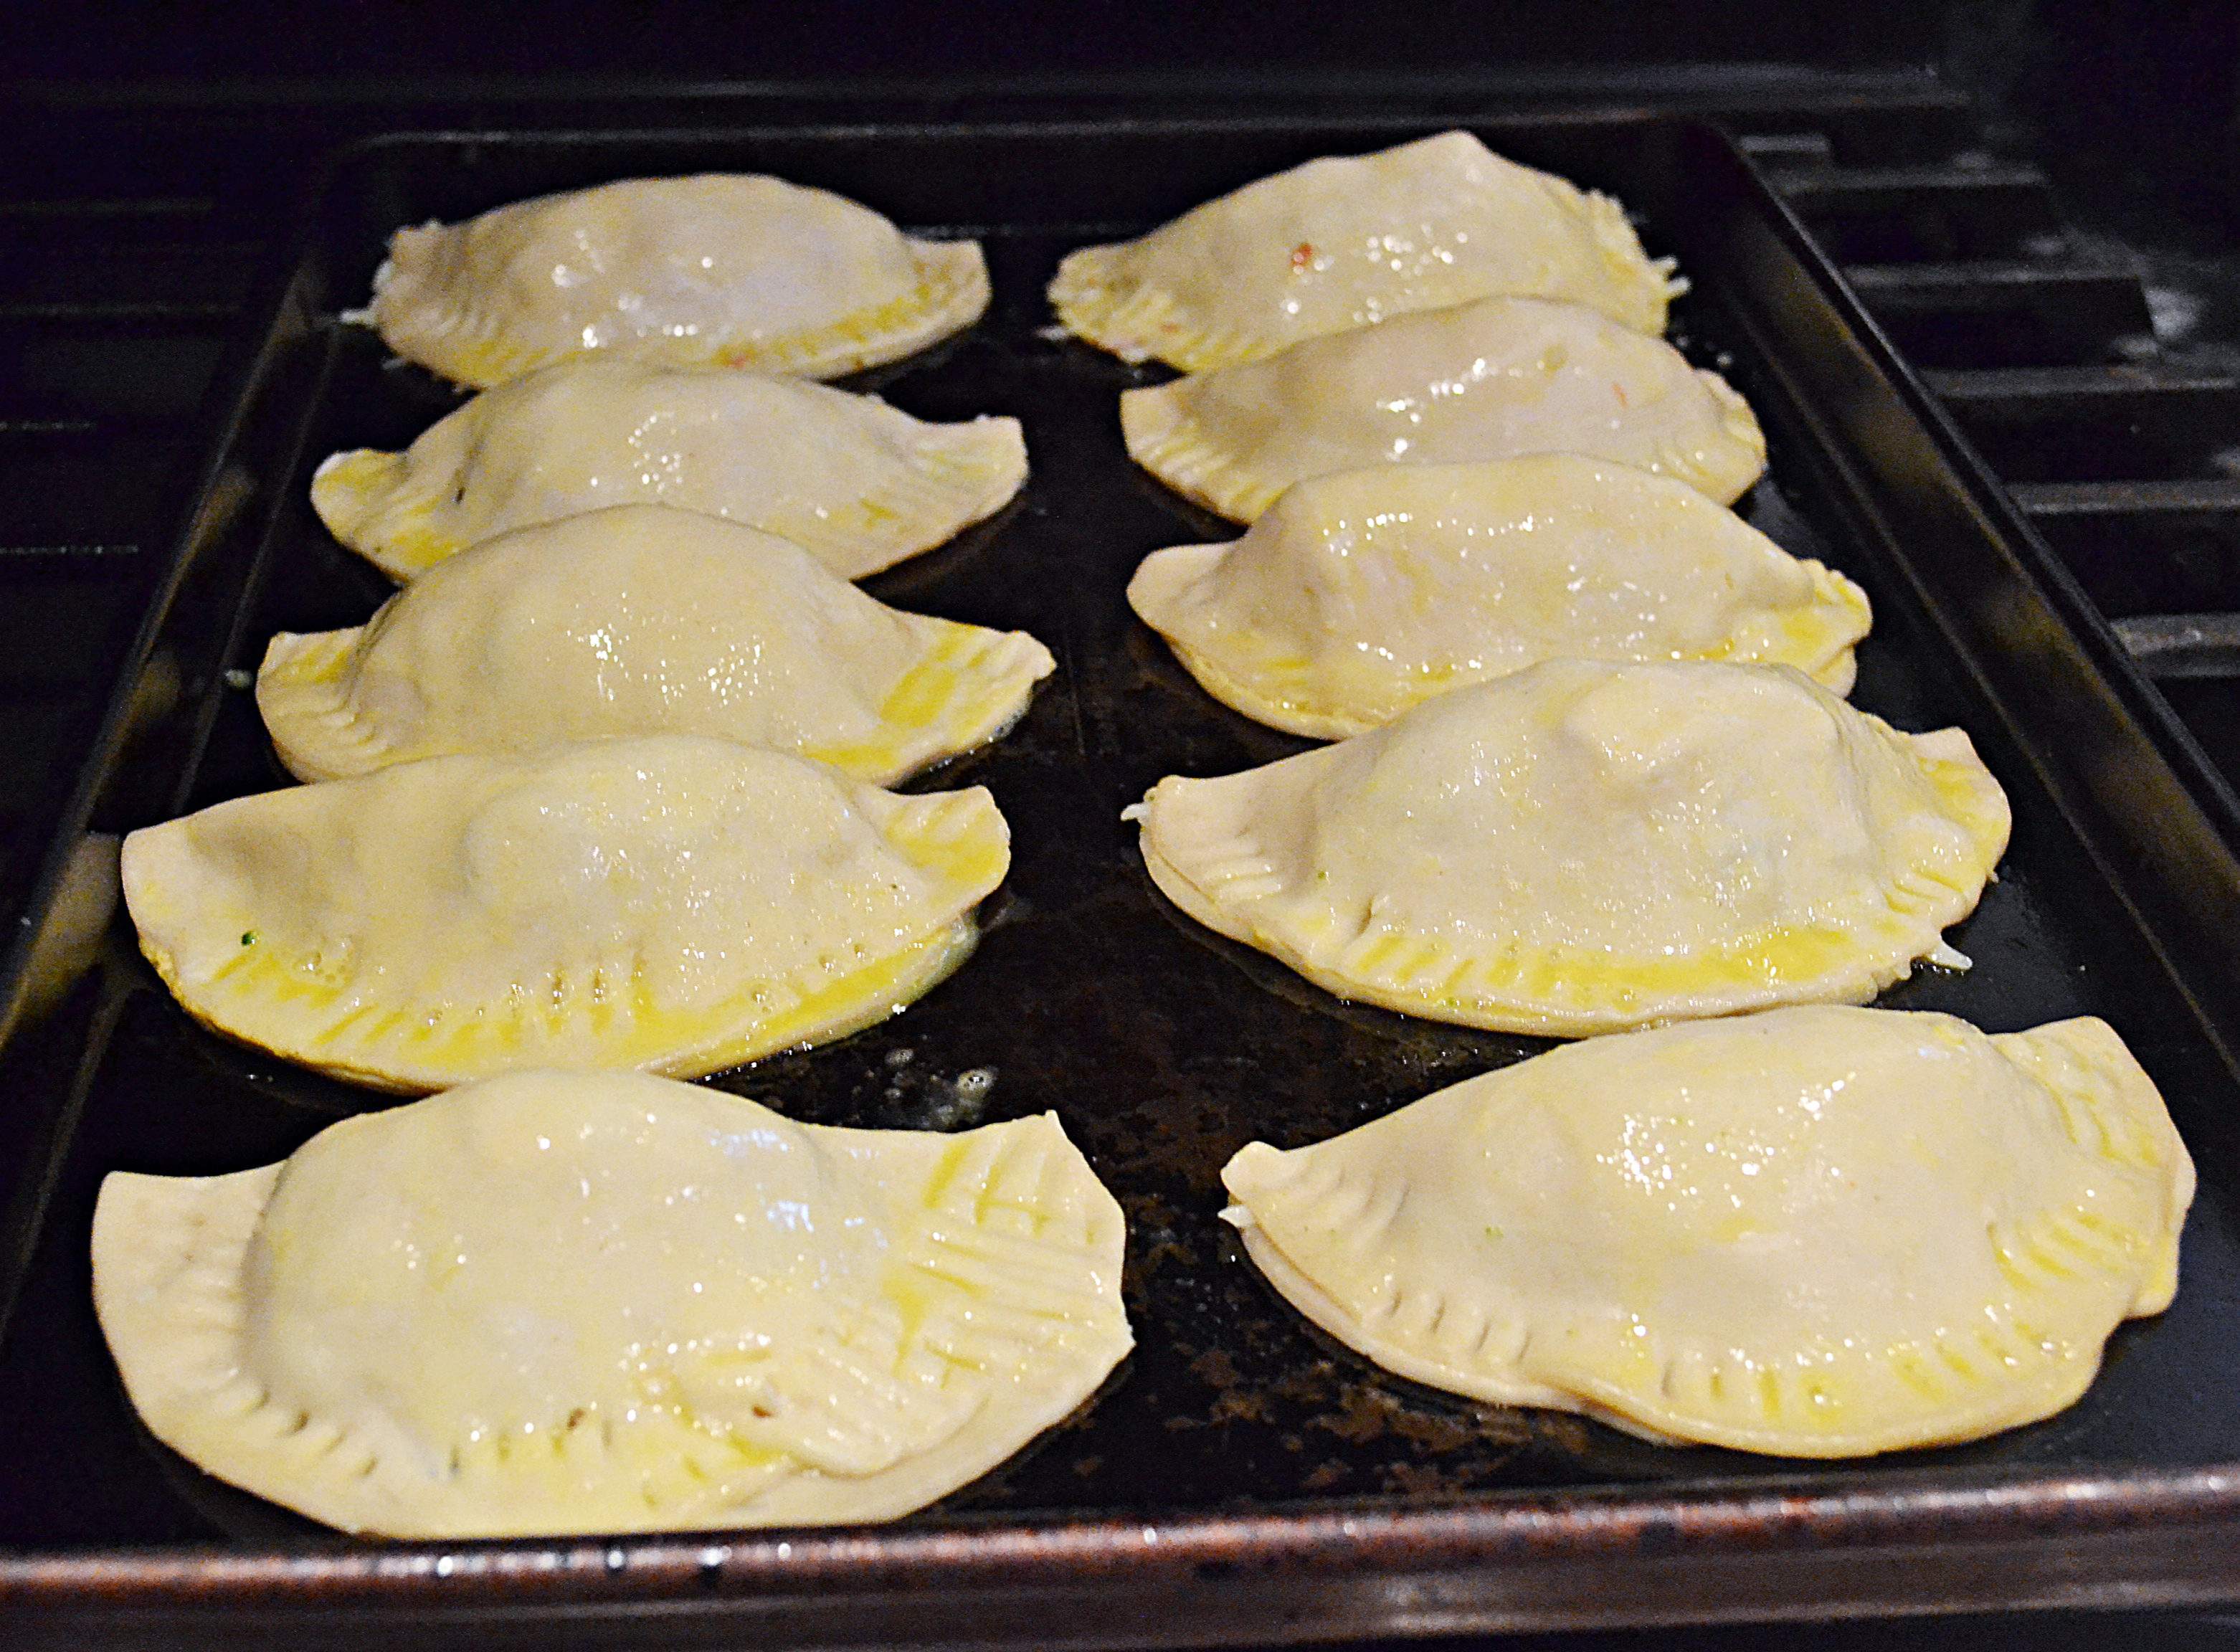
x,y
1358,595
1347,242
1584,847
1814,1232
730,269
1483,380
857,483
642,619
553,1303
676,903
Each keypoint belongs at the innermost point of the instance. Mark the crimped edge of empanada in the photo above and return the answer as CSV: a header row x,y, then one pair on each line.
x,y
1163,436
1373,959
959,474
359,495
167,1281
1139,321
965,691
309,1009
1723,476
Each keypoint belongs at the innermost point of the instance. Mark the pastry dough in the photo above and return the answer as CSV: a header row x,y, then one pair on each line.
x,y
676,903
857,483
557,1302
637,620
736,271
1815,1232
1339,243
1582,846
1483,380
1358,595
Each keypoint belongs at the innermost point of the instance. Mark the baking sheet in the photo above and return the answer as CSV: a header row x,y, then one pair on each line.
x,y
1243,1477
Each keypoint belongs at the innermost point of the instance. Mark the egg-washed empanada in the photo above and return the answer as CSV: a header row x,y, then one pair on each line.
x,y
641,619
1815,1232
1357,596
570,1302
1582,846
857,483
676,903
1343,243
1485,380
732,270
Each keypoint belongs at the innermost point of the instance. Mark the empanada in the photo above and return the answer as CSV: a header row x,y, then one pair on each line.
x,y
1483,380
557,1302
1343,243
637,620
676,903
1814,1232
857,483
1357,596
733,269
1582,846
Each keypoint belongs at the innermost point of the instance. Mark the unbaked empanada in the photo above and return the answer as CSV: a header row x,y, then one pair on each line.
x,y
635,620
857,483
1343,242
1814,1232
1485,380
734,269
557,1302
1582,847
1358,595
676,903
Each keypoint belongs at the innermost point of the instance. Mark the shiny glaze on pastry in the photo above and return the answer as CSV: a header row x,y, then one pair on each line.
x,y
1485,380
560,1303
638,620
1815,1232
1347,242
731,269
1358,595
857,483
676,903
1582,846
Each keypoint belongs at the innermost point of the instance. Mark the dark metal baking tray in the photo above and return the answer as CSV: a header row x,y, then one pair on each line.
x,y
1242,1479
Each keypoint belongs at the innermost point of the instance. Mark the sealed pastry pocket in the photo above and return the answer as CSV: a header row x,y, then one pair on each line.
x,y
642,620
1582,847
857,483
559,1302
676,903
1812,1232
731,269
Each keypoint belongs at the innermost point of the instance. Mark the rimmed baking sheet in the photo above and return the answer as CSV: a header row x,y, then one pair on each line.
x,y
1241,1478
